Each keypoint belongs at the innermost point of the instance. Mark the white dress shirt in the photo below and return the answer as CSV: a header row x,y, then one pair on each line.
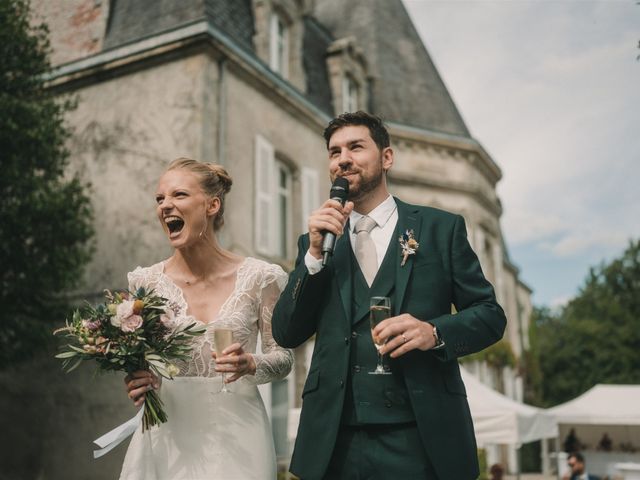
x,y
386,218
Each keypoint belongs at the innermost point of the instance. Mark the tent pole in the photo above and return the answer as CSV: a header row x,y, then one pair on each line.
x,y
558,455
544,446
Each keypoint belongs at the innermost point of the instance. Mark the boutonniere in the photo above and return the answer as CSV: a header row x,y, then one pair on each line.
x,y
409,245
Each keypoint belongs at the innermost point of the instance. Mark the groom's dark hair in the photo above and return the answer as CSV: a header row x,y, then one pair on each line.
x,y
377,130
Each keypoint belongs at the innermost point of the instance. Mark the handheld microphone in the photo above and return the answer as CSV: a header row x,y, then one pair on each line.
x,y
339,191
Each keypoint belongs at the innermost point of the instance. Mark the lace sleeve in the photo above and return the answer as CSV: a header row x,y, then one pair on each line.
x,y
137,279
274,362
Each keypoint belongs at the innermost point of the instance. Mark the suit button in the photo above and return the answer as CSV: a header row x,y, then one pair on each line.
x,y
387,404
356,368
346,340
354,334
341,383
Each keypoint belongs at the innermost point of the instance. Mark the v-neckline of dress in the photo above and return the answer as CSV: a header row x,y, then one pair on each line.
x,y
222,305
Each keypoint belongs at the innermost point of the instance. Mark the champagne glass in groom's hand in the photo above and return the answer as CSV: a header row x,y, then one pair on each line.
x,y
379,310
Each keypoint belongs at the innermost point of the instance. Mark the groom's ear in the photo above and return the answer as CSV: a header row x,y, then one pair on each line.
x,y
387,158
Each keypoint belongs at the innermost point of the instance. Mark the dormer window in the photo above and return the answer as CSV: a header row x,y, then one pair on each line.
x,y
279,45
350,94
279,35
347,75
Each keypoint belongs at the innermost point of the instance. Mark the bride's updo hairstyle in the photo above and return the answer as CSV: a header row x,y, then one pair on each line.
x,y
214,181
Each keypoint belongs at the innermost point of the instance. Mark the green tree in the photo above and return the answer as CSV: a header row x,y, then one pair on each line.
x,y
46,216
596,337
530,361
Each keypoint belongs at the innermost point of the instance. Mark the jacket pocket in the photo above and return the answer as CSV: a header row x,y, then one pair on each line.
x,y
453,381
312,382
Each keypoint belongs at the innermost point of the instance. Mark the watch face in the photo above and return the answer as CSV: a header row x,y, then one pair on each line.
x,y
437,336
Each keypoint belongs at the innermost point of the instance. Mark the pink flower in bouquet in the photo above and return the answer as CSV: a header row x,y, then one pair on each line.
x,y
91,325
131,323
168,319
123,311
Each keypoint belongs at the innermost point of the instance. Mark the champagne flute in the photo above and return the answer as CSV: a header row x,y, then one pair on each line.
x,y
222,338
379,310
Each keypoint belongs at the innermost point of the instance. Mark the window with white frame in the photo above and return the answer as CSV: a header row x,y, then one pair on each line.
x,y
309,192
278,45
273,218
349,94
283,209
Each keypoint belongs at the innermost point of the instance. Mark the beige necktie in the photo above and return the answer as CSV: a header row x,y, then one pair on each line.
x,y
366,249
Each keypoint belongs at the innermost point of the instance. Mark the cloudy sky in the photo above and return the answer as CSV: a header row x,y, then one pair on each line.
x,y
552,91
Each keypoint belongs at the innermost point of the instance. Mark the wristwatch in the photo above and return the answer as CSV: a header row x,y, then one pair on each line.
x,y
436,336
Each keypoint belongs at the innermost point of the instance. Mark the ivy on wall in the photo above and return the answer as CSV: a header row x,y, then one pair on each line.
x,y
498,355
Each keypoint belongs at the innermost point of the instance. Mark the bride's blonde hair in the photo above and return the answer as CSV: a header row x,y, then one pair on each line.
x,y
214,181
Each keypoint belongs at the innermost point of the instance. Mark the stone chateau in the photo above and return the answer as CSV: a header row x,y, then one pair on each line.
x,y
249,84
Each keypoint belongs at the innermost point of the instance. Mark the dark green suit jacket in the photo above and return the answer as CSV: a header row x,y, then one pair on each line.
x,y
444,271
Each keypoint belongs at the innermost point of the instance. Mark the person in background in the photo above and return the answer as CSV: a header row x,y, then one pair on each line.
x,y
577,468
605,443
496,471
571,443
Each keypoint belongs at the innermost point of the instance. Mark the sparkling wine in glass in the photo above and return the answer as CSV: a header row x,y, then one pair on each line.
x,y
222,338
379,310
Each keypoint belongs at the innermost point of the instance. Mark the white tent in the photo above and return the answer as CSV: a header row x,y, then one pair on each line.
x,y
602,405
610,409
497,419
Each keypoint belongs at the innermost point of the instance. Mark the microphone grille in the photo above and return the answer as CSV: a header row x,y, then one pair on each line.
x,y
340,188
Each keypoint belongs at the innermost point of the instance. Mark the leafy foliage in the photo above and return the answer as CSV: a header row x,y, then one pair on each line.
x,y
596,337
498,355
530,362
46,217
129,332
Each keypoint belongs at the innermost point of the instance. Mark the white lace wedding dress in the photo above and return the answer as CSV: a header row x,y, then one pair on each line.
x,y
211,436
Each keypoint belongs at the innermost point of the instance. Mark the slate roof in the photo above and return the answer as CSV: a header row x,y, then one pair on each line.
x,y
406,87
315,43
131,20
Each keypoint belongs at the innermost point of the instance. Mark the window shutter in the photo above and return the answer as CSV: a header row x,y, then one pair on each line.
x,y
264,182
310,194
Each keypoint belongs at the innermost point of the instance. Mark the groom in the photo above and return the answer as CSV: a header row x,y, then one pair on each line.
x,y
415,422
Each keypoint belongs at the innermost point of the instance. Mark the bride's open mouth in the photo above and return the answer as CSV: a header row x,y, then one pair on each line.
x,y
174,225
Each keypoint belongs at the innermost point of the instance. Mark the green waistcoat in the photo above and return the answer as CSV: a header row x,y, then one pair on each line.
x,y
373,399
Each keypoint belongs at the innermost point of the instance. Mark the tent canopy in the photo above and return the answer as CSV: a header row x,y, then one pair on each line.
x,y
610,409
602,405
497,419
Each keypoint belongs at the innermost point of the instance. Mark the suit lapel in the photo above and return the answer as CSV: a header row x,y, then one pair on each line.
x,y
408,219
342,266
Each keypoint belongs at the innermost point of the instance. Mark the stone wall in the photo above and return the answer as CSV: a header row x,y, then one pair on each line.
x,y
50,419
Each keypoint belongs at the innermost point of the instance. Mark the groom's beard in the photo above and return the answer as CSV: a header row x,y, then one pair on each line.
x,y
367,184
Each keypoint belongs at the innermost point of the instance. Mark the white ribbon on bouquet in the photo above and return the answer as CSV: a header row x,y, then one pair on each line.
x,y
112,439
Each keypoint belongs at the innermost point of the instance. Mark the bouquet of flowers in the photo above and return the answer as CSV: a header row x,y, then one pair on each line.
x,y
129,332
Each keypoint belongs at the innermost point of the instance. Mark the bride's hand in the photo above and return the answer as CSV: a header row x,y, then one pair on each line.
x,y
235,360
138,383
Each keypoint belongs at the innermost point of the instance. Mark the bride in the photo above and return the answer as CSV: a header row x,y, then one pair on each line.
x,y
209,435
